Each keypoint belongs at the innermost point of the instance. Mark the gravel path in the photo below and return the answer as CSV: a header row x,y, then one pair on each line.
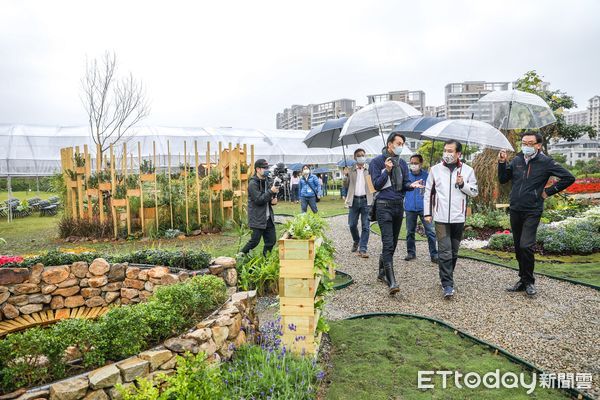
x,y
558,330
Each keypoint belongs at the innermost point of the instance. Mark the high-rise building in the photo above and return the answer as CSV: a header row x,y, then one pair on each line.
x,y
460,96
319,113
583,149
594,113
415,98
295,117
577,117
435,111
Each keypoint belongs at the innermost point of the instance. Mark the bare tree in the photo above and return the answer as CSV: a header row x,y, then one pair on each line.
x,y
113,104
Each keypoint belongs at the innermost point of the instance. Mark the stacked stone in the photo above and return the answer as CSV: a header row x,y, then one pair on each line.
x,y
217,336
25,291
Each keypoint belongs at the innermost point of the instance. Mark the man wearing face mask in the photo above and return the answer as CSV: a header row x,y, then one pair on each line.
x,y
262,195
449,185
389,174
358,200
413,206
310,190
529,172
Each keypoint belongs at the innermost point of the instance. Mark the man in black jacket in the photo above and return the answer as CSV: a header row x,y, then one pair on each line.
x,y
529,172
262,195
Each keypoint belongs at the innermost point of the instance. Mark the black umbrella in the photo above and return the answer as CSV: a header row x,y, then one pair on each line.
x,y
327,135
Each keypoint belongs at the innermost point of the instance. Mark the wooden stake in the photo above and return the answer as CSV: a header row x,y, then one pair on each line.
x,y
169,170
99,172
185,176
141,189
113,188
209,166
197,183
155,185
127,197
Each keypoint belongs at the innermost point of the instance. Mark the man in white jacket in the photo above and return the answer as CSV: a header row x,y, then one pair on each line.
x,y
448,187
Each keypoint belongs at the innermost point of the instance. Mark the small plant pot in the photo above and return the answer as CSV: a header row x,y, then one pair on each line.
x,y
148,177
119,202
73,184
244,177
80,170
92,192
216,187
105,186
133,192
228,204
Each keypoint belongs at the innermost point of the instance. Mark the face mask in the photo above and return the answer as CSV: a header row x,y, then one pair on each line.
x,y
266,173
528,150
448,158
414,167
361,160
305,171
398,150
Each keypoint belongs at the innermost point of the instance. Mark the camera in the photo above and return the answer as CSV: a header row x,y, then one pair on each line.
x,y
277,182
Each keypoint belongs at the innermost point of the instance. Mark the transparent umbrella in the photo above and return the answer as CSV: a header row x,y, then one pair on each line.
x,y
469,131
370,120
513,109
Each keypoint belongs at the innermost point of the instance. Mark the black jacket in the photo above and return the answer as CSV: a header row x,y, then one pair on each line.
x,y
528,180
259,198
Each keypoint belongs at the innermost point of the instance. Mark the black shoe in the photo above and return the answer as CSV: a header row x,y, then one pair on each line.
x,y
530,289
354,247
381,275
435,260
518,287
390,279
410,257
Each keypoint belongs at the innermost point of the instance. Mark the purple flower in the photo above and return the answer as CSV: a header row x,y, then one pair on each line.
x,y
320,375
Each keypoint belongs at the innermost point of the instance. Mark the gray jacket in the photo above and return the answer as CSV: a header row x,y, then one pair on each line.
x,y
350,184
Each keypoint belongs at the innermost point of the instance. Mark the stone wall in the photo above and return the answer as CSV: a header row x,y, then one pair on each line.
x,y
218,335
26,291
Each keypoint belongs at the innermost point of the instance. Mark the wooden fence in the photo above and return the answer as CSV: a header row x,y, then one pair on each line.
x,y
210,190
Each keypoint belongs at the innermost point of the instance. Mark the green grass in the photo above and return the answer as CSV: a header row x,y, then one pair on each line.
x,y
379,358
584,269
33,235
329,206
25,195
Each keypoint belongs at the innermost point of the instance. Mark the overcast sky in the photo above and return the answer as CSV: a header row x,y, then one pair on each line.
x,y
238,63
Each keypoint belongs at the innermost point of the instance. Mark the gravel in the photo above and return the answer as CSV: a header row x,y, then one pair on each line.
x,y
557,330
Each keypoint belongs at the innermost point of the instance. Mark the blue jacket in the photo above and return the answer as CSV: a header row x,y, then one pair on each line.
x,y
414,200
379,177
307,189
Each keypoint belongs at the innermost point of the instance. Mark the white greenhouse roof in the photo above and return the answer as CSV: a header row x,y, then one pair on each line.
x,y
30,150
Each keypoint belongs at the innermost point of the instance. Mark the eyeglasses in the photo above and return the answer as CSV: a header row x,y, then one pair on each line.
x,y
528,143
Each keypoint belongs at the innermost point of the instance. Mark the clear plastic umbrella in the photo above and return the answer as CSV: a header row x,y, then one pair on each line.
x,y
513,109
469,131
369,121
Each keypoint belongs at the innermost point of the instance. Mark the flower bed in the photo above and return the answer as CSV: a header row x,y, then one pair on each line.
x,y
585,185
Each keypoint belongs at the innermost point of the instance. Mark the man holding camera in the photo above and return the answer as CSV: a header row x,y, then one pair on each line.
x,y
389,174
262,195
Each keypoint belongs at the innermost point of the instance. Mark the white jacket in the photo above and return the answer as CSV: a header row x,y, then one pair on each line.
x,y
443,199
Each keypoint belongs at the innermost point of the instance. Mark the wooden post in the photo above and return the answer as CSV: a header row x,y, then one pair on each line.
x,y
239,178
155,185
124,164
185,181
197,183
99,172
169,171
79,186
208,166
141,189
220,164
113,188
86,177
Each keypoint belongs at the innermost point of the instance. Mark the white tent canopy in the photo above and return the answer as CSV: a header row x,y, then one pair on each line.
x,y
29,150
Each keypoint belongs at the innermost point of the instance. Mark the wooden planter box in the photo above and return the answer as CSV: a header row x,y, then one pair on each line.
x,y
92,192
216,187
243,177
80,170
72,184
147,177
228,204
133,192
149,213
298,286
119,202
105,186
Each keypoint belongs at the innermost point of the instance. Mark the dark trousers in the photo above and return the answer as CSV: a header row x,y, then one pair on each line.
x,y
524,225
294,192
359,208
411,228
268,234
389,217
448,238
308,201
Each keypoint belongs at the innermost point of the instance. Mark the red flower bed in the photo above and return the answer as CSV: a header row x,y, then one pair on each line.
x,y
10,259
587,185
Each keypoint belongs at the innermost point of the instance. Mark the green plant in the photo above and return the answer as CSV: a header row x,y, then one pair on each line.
x,y
120,191
69,226
92,181
475,220
501,241
172,233
259,272
227,194
146,167
214,177
306,226
133,181
79,160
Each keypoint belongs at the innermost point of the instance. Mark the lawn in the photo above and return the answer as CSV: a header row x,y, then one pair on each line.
x,y
25,195
379,358
329,206
584,269
32,235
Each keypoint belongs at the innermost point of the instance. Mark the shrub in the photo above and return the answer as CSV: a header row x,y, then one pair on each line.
x,y
69,226
260,272
120,333
186,259
475,220
306,226
501,241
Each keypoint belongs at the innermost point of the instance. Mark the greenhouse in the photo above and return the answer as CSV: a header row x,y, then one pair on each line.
x,y
30,150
